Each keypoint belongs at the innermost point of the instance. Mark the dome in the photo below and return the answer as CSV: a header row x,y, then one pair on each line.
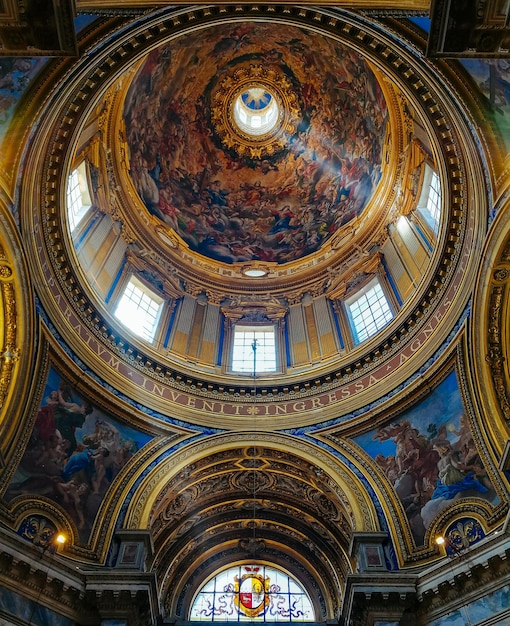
x,y
254,291
264,178
252,148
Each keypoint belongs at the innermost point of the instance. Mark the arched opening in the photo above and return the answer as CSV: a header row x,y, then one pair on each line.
x,y
256,111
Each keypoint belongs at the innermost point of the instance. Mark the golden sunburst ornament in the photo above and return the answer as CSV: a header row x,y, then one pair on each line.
x,y
255,110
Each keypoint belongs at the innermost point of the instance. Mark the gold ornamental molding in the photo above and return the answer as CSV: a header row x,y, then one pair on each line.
x,y
495,357
405,6
10,350
490,332
16,335
234,91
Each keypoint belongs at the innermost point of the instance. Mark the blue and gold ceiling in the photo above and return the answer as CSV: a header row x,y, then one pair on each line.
x,y
103,433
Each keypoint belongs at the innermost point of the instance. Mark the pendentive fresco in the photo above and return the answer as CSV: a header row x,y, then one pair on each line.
x,y
73,455
430,457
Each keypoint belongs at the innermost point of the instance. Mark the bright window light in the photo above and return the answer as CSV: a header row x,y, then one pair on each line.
x,y
252,593
429,203
369,311
139,309
247,360
78,196
256,111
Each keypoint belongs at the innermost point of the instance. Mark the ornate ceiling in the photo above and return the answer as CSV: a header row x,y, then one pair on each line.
x,y
196,213
197,190
239,196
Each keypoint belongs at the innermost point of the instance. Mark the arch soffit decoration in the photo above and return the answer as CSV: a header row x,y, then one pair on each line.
x,y
186,500
350,385
153,488
490,356
17,333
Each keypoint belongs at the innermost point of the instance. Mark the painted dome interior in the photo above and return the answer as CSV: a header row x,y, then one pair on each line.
x,y
254,290
311,206
238,196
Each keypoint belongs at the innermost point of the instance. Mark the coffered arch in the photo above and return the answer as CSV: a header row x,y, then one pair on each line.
x,y
307,458
230,498
491,303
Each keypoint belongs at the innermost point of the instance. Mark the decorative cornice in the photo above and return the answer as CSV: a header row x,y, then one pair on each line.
x,y
420,598
465,576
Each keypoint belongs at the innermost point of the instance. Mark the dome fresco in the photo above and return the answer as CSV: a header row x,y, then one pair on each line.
x,y
245,171
274,196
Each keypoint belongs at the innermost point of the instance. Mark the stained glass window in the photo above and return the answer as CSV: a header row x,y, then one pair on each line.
x,y
252,593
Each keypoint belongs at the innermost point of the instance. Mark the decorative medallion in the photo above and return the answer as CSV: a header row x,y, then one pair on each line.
x,y
38,530
462,534
252,592
254,110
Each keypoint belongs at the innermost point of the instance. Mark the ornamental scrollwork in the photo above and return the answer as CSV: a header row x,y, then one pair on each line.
x,y
10,352
495,356
501,274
